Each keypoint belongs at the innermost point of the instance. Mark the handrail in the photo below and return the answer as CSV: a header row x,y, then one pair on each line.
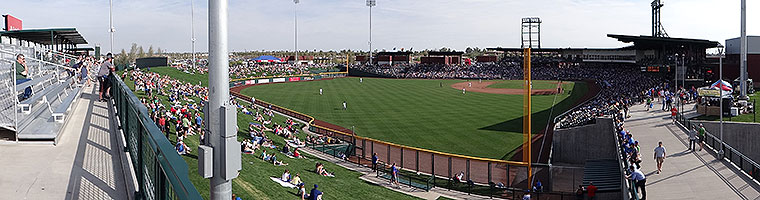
x,y
174,168
625,185
688,125
312,119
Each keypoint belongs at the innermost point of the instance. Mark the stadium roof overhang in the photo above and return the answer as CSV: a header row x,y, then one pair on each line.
x,y
554,49
657,43
47,36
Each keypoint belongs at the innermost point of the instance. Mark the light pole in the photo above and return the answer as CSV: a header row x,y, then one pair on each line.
x,y
720,96
221,115
370,4
192,30
295,13
743,40
111,29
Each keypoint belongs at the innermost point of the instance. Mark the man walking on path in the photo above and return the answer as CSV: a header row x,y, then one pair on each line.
x,y
659,156
639,181
692,139
701,136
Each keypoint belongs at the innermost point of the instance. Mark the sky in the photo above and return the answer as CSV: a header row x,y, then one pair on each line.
x,y
418,24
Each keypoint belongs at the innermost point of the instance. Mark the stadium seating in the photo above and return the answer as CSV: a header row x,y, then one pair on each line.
x,y
54,91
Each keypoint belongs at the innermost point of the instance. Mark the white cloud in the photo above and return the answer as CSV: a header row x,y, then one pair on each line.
x,y
341,24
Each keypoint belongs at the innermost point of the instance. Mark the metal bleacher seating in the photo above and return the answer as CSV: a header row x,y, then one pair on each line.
x,y
41,116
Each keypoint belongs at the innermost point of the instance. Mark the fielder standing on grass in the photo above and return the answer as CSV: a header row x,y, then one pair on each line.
x,y
464,90
344,105
320,91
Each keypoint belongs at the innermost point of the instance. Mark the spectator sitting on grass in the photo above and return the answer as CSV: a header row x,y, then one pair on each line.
x,y
302,192
286,176
297,180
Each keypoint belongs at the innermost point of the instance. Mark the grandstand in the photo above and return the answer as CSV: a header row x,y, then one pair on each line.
x,y
53,84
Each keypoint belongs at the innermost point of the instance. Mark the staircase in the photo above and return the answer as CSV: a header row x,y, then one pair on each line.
x,y
605,173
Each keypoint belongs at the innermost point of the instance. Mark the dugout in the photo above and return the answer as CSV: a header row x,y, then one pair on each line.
x,y
151,62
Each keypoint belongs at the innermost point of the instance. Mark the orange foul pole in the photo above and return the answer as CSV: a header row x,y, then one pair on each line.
x,y
527,115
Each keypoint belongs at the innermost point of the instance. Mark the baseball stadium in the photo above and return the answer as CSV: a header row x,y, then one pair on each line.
x,y
524,122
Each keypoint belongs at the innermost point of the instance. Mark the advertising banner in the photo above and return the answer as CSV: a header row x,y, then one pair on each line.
x,y
293,79
250,82
265,80
278,80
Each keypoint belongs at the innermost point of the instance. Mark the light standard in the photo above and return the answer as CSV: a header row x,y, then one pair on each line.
x,y
192,29
111,29
370,4
295,13
720,95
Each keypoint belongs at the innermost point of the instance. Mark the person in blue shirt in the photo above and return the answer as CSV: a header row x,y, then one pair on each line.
x,y
315,194
198,119
374,162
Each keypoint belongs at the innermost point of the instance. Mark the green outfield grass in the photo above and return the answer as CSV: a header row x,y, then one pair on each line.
x,y
254,182
518,84
420,113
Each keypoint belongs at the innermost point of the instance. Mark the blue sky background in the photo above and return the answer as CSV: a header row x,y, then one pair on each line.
x,y
418,24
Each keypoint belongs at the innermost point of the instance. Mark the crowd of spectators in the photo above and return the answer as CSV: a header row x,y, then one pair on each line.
x,y
242,68
177,105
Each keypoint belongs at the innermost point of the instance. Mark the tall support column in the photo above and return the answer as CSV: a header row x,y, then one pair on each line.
x,y
743,69
219,95
527,115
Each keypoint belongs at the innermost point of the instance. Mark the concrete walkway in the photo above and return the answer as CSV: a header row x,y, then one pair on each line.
x,y
685,174
85,164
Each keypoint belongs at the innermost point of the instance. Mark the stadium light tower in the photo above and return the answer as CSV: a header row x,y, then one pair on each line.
x,y
219,161
295,13
192,30
743,68
720,96
370,4
111,29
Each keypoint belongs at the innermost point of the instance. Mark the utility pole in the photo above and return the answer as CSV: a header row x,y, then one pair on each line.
x,y
223,149
370,3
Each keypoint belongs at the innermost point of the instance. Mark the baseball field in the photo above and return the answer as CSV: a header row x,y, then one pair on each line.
x,y
431,114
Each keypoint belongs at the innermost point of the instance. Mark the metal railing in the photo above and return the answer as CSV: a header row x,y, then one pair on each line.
x,y
627,187
160,172
744,163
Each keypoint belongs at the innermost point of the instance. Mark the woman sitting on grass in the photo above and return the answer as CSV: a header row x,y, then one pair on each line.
x,y
322,171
